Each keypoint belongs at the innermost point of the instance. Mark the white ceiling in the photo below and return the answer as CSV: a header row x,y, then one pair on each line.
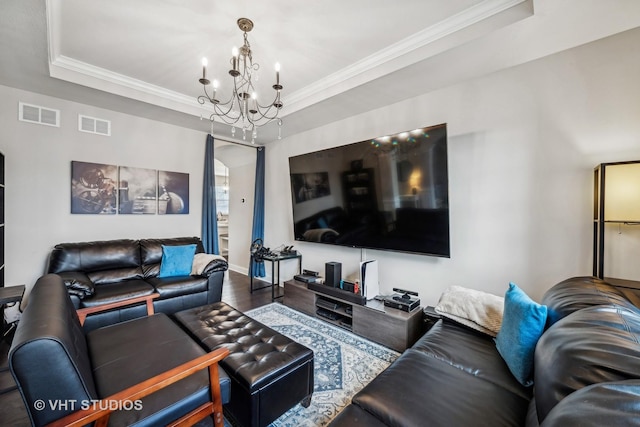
x,y
339,58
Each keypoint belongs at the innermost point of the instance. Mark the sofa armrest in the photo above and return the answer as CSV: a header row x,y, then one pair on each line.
x,y
101,410
84,312
77,283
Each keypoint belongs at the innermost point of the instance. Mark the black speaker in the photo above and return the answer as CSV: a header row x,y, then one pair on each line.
x,y
332,274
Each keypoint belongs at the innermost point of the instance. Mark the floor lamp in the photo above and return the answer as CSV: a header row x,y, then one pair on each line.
x,y
616,200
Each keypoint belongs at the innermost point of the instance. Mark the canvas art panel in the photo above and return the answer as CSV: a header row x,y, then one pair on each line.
x,y
173,193
137,191
93,188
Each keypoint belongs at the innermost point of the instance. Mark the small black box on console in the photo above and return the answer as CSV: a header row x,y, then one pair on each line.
x,y
405,303
332,273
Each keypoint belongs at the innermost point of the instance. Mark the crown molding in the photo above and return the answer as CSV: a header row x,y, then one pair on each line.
x,y
64,64
374,66
82,73
386,56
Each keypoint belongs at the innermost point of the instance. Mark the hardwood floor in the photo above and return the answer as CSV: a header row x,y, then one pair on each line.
x,y
235,292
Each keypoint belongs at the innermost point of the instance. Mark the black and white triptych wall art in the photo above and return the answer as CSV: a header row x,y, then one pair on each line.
x,y
102,189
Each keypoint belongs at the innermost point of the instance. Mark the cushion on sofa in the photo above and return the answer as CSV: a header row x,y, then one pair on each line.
x,y
475,309
355,416
114,349
522,325
170,287
471,351
94,256
606,404
593,345
112,292
176,260
577,293
418,389
115,275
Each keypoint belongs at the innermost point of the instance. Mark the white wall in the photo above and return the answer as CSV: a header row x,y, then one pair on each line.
x,y
522,146
38,173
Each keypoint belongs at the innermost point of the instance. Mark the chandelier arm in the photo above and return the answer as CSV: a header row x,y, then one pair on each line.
x,y
269,105
264,118
226,119
264,112
229,111
224,104
204,98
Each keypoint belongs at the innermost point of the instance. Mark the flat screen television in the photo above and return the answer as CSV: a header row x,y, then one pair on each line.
x,y
388,193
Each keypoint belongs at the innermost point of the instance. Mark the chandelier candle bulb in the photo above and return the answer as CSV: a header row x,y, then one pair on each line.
x,y
254,97
277,73
234,53
204,80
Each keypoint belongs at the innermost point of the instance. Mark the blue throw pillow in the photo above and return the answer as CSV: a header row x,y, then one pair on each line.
x,y
177,260
523,323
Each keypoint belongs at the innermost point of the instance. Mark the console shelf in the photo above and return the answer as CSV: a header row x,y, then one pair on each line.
x,y
390,327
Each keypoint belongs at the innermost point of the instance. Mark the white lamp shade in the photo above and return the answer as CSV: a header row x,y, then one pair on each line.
x,y
622,193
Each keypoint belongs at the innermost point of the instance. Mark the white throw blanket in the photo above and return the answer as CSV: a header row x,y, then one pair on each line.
x,y
200,261
476,309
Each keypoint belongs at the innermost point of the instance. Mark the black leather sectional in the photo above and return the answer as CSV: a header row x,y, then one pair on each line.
x,y
586,371
101,272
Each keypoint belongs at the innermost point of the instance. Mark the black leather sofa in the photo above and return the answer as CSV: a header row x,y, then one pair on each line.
x,y
132,372
586,370
102,272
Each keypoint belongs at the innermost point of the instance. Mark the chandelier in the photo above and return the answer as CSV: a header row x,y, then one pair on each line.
x,y
243,109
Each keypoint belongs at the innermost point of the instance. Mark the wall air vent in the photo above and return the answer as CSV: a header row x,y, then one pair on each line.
x,y
94,125
40,115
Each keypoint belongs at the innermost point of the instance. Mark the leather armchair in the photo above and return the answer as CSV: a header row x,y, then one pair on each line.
x,y
69,377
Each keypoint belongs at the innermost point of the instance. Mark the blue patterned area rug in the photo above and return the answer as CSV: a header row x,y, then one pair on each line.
x,y
343,362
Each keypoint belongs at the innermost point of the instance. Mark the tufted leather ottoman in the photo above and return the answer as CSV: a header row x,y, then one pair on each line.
x,y
269,372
